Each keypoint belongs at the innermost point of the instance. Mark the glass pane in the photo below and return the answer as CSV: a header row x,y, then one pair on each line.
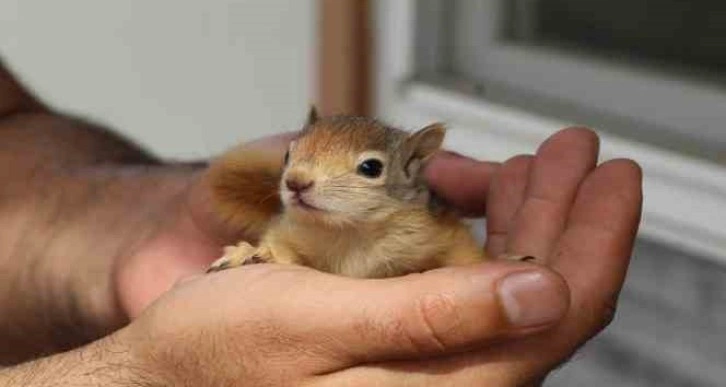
x,y
674,32
513,51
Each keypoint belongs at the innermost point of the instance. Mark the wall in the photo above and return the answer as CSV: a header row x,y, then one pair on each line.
x,y
185,78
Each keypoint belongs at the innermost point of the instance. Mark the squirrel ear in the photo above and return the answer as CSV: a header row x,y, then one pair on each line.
x,y
425,142
312,115
421,145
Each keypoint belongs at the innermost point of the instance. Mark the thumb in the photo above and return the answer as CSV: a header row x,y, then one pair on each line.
x,y
461,181
441,311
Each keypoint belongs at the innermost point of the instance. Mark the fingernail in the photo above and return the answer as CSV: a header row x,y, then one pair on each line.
x,y
531,298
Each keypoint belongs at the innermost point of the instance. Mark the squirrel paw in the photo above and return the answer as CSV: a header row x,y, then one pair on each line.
x,y
234,256
251,260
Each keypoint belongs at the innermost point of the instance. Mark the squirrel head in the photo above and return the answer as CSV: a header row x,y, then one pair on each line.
x,y
344,170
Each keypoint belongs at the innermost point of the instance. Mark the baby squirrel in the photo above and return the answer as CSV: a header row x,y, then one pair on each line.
x,y
348,198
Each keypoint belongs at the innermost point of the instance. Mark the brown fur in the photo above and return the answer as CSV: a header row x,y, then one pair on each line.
x,y
359,226
245,187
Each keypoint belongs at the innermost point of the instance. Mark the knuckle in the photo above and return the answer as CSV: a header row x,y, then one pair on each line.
x,y
437,319
513,169
430,325
388,329
516,164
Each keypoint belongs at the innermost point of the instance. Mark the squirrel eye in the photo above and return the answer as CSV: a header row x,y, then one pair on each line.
x,y
371,168
286,159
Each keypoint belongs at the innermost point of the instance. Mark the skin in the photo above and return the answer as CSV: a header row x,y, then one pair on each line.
x,y
126,306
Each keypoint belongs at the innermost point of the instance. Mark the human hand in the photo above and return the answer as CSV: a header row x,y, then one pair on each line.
x,y
291,325
543,206
579,220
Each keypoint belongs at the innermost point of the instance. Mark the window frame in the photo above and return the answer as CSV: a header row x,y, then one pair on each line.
x,y
634,100
685,197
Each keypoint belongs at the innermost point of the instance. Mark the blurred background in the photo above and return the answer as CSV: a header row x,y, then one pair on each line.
x,y
188,79
185,78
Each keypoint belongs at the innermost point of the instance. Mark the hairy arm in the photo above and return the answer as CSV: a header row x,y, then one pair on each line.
x,y
102,363
65,211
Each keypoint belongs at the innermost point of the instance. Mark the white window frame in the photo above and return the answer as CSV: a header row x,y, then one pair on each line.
x,y
685,197
655,99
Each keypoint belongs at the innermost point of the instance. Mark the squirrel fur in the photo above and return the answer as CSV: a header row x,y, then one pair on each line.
x,y
348,198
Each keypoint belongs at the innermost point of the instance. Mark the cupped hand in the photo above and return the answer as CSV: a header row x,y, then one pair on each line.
x,y
576,218
290,325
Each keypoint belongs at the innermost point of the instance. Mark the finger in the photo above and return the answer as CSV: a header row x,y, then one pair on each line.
x,y
466,369
277,143
461,181
594,251
422,374
592,255
417,316
505,197
561,163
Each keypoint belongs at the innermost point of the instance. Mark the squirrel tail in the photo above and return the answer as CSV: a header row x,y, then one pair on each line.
x,y
245,190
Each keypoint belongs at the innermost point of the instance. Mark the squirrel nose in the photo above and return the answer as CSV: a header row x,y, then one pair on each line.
x,y
298,186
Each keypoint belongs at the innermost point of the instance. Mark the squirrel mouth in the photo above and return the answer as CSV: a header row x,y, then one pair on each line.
x,y
298,201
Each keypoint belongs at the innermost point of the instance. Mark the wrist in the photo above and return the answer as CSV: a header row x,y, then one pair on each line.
x,y
183,246
107,362
147,201
69,231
